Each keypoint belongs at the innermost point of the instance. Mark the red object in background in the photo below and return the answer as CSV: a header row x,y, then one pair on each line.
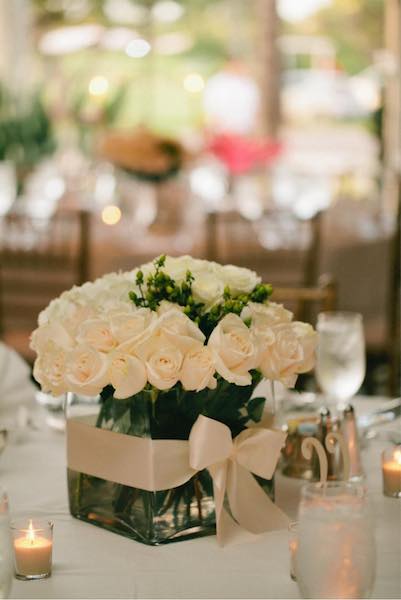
x,y
241,154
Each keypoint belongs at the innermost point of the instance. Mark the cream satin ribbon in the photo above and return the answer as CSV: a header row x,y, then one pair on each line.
x,y
155,465
230,463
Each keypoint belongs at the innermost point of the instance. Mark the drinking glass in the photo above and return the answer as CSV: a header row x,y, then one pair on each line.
x,y
6,562
341,363
336,549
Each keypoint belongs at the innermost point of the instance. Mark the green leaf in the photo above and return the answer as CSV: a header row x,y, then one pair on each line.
x,y
255,408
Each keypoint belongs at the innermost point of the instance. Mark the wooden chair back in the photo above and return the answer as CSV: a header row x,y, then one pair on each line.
x,y
306,302
230,238
38,261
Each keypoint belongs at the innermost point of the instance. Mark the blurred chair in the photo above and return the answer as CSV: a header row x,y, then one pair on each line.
x,y
306,302
293,255
39,259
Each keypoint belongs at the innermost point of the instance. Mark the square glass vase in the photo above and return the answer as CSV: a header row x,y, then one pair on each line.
x,y
153,518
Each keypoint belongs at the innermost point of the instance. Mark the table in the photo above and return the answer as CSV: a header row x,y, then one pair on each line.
x,y
92,563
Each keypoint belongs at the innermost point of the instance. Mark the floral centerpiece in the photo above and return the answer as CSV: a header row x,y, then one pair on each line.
x,y
174,350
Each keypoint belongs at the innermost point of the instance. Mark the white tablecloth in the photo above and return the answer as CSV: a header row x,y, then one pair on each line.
x,y
92,563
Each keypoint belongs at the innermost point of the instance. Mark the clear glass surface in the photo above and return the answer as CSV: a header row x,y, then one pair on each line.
x,y
336,547
341,362
6,562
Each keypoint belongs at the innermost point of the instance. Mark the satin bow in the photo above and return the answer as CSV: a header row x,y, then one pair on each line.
x,y
231,463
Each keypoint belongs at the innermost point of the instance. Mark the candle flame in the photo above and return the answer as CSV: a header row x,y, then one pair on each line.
x,y
397,456
30,534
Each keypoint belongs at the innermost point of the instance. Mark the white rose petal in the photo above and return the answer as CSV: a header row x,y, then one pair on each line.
x,y
97,334
177,268
165,306
87,371
180,330
208,289
291,353
234,350
239,279
50,331
127,375
198,369
266,315
129,325
50,369
163,361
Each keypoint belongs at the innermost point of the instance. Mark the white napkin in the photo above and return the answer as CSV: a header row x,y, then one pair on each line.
x,y
16,387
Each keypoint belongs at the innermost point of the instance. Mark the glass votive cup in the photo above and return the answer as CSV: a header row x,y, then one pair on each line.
x,y
391,471
33,548
293,547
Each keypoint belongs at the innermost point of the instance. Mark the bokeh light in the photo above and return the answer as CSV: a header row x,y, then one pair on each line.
x,y
194,83
137,48
111,214
98,86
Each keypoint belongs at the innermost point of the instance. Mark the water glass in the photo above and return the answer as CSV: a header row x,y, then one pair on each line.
x,y
336,548
6,562
341,362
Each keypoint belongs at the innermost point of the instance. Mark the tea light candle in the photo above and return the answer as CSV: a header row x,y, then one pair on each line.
x,y
293,547
33,547
391,468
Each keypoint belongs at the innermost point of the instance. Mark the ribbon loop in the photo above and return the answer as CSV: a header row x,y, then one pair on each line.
x,y
209,443
230,464
258,450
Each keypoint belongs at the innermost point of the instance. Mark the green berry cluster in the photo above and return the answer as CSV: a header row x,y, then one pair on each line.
x,y
234,304
160,286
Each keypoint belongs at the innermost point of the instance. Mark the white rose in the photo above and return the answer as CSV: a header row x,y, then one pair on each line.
x,y
59,309
87,371
163,361
127,374
198,369
80,315
165,306
177,267
266,315
128,325
50,331
179,329
207,288
308,339
239,279
97,334
234,350
291,353
50,368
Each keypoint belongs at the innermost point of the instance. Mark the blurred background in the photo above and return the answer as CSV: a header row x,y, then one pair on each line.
x,y
261,133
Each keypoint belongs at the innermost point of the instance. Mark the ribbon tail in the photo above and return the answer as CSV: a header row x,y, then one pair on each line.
x,y
227,530
218,473
249,504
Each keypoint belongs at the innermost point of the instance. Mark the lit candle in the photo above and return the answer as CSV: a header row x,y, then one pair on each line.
x,y
391,467
293,547
33,547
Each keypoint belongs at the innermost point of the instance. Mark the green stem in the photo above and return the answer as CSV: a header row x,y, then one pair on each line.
x,y
78,490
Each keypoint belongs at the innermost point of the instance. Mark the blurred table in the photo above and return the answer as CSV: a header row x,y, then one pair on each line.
x,y
92,563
